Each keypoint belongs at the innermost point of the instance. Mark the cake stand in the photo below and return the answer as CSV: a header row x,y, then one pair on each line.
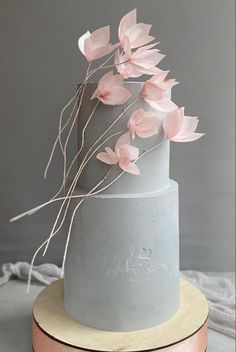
x,y
55,331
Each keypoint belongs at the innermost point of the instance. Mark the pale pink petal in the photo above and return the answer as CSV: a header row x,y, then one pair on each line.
x,y
127,48
133,120
95,94
123,139
152,92
164,104
112,154
136,116
113,80
130,71
160,77
148,127
101,36
143,71
88,49
132,151
106,158
173,122
116,96
104,79
189,138
126,22
101,84
108,80
82,40
131,168
119,95
189,125
98,53
110,90
160,81
168,84
148,115
142,61
138,34
145,48
147,59
147,133
142,41
180,128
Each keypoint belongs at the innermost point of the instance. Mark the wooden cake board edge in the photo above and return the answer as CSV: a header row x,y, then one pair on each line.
x,y
47,330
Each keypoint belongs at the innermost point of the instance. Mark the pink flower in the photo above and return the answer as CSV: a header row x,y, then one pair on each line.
x,y
155,92
180,128
123,156
144,124
136,33
96,45
135,64
110,90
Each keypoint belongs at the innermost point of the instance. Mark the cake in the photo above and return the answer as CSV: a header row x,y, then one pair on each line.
x,y
121,258
122,267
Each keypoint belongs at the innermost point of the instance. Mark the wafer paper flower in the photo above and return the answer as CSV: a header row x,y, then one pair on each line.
x,y
180,128
110,90
96,45
155,92
123,156
136,33
144,124
135,64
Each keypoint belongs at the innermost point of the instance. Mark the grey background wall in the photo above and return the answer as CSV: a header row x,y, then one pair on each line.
x,y
39,68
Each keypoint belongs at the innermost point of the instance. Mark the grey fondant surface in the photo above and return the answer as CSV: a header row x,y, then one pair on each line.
x,y
154,167
122,269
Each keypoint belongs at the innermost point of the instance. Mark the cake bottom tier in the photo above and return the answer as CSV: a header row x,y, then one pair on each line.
x,y
122,268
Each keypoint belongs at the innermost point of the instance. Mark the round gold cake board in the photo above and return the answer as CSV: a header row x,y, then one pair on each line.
x,y
55,331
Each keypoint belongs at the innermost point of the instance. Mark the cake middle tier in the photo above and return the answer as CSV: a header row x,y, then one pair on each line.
x,y
122,267
154,167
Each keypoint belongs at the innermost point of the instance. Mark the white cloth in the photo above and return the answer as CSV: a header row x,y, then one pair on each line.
x,y
45,273
219,291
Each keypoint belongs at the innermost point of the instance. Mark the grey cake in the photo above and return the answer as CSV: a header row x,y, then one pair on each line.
x,y
122,267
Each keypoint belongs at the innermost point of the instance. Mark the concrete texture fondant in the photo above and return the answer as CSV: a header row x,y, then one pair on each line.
x,y
122,269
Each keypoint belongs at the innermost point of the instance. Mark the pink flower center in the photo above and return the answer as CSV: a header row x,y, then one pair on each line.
x,y
105,94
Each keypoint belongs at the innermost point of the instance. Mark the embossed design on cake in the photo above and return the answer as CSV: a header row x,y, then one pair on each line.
x,y
137,266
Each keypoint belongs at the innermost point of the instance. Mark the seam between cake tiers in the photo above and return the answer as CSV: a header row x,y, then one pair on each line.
x,y
173,186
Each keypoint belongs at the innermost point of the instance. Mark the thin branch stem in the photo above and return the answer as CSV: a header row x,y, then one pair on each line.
x,y
73,215
71,196
70,117
71,190
52,200
85,127
58,136
101,66
114,65
73,185
73,123
31,211
54,234
84,196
